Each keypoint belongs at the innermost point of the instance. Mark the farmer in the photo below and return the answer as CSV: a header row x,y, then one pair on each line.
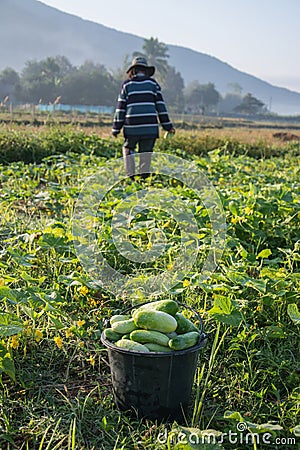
x,y
140,102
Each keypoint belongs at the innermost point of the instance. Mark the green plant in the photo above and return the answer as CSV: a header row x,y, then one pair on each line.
x,y
55,382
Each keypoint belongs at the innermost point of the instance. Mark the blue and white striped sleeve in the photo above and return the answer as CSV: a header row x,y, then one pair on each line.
x,y
120,111
162,111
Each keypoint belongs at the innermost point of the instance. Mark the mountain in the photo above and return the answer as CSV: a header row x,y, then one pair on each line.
x,y
32,30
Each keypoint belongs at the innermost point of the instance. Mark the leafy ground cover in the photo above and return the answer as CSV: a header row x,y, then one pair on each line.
x,y
55,381
32,144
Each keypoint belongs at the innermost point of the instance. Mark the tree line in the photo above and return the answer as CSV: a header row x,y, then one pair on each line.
x,y
56,80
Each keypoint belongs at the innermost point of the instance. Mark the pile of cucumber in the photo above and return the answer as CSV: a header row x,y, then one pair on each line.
x,y
153,327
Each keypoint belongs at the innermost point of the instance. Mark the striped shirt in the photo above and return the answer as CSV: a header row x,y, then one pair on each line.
x,y
140,106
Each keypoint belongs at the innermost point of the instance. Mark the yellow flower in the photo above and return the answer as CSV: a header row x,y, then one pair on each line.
x,y
170,266
14,343
58,341
248,210
28,331
83,290
68,333
38,335
2,282
186,283
80,323
91,360
149,245
92,302
236,219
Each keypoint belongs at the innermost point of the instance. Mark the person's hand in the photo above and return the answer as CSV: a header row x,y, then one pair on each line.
x,y
169,133
115,133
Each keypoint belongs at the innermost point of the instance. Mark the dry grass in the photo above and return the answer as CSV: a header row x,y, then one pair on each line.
x,y
241,134
254,133
250,135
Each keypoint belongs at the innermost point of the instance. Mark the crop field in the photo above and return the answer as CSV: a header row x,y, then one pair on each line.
x,y
56,390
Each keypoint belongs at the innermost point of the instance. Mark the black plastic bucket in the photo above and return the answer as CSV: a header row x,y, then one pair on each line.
x,y
155,385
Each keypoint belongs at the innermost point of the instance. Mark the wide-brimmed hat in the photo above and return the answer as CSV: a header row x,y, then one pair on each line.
x,y
140,61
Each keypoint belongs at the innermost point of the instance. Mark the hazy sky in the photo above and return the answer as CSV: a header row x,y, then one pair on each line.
x,y
260,37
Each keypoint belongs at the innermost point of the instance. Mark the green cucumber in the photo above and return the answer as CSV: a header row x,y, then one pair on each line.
x,y
184,325
126,336
155,320
124,326
118,318
184,341
157,348
127,344
167,306
111,335
144,336
171,335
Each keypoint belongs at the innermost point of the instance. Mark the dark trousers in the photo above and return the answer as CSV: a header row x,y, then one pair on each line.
x,y
145,147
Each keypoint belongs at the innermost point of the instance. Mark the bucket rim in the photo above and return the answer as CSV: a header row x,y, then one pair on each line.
x,y
201,343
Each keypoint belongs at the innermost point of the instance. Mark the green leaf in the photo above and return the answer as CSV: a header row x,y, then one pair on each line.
x,y
9,330
253,427
264,253
10,324
237,278
6,292
232,208
274,332
258,285
6,362
233,415
56,322
225,312
233,319
9,318
293,312
222,305
49,240
263,427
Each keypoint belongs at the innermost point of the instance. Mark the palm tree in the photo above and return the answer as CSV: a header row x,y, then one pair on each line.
x,y
156,54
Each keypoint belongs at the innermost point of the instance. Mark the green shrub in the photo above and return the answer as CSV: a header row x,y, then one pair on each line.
x,y
31,147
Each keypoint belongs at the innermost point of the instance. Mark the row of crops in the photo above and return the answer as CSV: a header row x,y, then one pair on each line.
x,y
55,380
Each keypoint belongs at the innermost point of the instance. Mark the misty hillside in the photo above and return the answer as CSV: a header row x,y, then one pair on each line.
x,y
33,30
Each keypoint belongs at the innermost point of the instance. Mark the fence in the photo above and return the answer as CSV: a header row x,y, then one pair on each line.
x,y
56,112
80,108
90,115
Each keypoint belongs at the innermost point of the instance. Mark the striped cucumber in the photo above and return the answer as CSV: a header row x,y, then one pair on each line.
x,y
184,325
124,326
183,341
171,335
154,337
118,318
157,348
127,344
111,335
154,320
167,306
